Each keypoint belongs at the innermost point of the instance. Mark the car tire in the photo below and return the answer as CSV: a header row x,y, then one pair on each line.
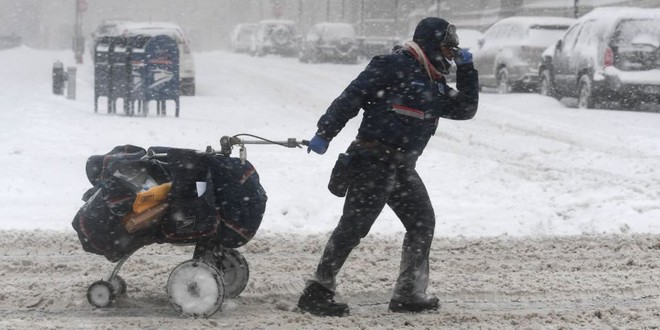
x,y
546,87
503,83
187,87
586,97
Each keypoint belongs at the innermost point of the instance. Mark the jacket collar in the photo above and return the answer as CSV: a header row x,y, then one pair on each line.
x,y
417,52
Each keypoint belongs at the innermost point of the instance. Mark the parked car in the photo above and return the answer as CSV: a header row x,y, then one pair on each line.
x,y
509,54
186,60
275,37
241,37
610,54
332,42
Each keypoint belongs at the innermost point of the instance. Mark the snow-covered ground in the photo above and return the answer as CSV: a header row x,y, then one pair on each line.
x,y
526,164
526,169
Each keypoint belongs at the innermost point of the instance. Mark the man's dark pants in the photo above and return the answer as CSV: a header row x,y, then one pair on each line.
x,y
378,180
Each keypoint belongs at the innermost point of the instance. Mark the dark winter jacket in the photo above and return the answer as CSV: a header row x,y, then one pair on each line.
x,y
401,104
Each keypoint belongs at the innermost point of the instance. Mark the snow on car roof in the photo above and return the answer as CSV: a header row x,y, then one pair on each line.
x,y
277,21
331,24
607,17
616,13
152,28
538,20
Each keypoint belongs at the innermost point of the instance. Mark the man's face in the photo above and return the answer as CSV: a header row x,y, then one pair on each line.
x,y
447,52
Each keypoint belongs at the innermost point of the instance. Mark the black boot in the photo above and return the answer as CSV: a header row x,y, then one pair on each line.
x,y
319,301
414,305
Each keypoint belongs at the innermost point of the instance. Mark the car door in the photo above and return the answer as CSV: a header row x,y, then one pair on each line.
x,y
485,57
562,58
508,54
580,57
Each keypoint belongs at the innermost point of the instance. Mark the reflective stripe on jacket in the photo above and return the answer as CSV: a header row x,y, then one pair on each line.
x,y
401,105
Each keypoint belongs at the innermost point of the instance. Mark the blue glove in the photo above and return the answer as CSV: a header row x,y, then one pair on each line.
x,y
318,144
462,56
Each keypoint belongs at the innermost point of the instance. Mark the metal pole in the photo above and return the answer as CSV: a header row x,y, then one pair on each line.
x,y
396,18
327,10
362,17
343,10
300,15
576,11
77,34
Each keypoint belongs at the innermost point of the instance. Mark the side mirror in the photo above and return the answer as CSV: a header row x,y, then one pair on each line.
x,y
481,42
560,44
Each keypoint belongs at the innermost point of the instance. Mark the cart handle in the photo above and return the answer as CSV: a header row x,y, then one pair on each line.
x,y
227,142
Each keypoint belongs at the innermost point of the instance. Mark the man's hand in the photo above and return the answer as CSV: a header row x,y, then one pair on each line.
x,y
318,144
462,56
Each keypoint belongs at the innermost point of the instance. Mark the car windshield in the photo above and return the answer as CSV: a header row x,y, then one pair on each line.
x,y
334,32
545,35
630,30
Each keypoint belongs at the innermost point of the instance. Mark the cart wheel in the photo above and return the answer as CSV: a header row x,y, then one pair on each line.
x,y
235,272
100,294
118,285
195,289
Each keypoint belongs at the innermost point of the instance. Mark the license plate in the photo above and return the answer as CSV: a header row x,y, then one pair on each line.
x,y
652,89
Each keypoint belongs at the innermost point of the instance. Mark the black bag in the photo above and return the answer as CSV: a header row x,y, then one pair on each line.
x,y
101,167
240,199
117,176
191,215
99,226
340,177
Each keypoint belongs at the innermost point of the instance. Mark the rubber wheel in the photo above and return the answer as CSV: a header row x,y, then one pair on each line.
x,y
585,93
503,84
195,289
118,285
235,272
100,294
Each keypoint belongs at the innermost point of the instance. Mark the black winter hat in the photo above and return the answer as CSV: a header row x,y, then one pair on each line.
x,y
430,30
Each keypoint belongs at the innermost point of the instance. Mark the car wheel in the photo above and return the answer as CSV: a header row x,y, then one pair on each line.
x,y
586,99
187,88
545,85
503,83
